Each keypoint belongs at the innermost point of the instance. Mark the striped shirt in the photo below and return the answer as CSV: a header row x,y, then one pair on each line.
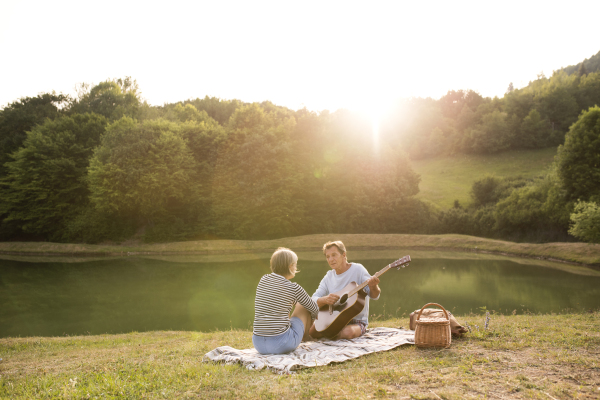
x,y
275,297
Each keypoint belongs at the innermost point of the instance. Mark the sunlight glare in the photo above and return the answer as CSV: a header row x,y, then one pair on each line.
x,y
375,111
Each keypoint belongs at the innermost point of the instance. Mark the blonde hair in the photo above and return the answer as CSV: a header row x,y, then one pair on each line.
x,y
338,243
282,260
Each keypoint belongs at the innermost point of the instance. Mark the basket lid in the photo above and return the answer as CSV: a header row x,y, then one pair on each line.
x,y
433,321
432,304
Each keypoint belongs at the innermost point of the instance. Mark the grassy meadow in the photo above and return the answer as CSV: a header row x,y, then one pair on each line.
x,y
448,178
516,357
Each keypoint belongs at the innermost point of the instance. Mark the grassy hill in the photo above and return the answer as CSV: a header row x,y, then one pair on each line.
x,y
448,178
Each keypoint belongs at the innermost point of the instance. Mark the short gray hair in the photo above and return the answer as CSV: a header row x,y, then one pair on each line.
x,y
338,244
282,260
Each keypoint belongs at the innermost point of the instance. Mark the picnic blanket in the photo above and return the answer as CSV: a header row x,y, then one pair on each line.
x,y
312,354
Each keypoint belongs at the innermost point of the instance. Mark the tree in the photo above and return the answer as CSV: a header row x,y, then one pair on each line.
x,y
579,158
490,136
519,102
21,116
113,98
436,144
45,186
220,110
204,139
409,129
143,171
510,88
373,190
557,105
465,119
534,132
588,91
592,64
453,102
585,222
350,185
256,183
181,113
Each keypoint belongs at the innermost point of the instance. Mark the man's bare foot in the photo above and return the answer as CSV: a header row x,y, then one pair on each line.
x,y
308,338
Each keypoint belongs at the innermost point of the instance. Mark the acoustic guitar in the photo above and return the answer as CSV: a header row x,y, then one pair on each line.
x,y
333,318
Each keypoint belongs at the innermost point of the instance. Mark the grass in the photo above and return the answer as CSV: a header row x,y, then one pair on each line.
x,y
581,253
518,356
449,178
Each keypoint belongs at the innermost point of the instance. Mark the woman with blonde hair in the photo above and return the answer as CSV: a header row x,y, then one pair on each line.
x,y
275,332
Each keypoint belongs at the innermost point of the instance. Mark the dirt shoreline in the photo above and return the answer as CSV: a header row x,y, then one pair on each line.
x,y
297,249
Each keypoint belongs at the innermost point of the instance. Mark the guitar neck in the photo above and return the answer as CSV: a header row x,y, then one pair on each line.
x,y
364,284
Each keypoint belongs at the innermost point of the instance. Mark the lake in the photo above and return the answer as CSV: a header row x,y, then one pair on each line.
x,y
72,296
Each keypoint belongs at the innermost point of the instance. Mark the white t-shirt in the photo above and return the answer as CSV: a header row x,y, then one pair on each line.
x,y
333,282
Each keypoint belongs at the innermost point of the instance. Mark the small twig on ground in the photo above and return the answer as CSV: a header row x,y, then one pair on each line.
x,y
553,398
435,394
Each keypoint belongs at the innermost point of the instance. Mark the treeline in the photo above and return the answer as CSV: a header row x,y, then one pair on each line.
x,y
536,116
591,64
106,166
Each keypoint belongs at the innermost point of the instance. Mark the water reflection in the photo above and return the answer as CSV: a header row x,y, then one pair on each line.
x,y
50,297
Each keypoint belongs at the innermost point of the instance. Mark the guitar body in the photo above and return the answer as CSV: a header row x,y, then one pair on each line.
x,y
328,324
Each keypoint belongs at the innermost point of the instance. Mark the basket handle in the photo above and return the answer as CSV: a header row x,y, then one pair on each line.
x,y
432,304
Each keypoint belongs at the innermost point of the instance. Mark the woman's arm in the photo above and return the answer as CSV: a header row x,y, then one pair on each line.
x,y
306,301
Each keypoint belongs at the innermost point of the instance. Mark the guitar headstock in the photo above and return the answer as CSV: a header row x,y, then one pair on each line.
x,y
401,263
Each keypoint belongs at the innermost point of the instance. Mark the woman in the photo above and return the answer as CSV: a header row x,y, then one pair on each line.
x,y
274,331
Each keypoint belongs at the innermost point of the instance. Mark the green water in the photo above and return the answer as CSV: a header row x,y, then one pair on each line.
x,y
56,297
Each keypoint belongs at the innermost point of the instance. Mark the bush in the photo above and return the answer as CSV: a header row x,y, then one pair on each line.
x,y
579,158
586,222
91,226
456,220
536,212
484,221
484,191
490,190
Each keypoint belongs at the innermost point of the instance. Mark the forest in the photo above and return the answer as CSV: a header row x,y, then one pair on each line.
x,y
105,166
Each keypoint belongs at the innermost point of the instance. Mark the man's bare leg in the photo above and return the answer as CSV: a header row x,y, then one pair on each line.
x,y
305,317
349,332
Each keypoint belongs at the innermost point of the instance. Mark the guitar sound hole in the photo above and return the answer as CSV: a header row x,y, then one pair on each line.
x,y
344,298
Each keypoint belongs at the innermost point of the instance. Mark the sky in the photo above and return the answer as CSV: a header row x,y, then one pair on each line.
x,y
314,54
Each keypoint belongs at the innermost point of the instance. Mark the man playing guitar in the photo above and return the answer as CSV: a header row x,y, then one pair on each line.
x,y
342,274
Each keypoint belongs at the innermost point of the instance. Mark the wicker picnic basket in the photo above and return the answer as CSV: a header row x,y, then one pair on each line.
x,y
433,332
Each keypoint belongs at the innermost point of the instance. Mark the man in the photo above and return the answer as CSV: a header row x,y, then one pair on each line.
x,y
341,274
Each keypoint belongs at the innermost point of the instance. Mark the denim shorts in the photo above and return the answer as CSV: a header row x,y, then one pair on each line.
x,y
285,342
